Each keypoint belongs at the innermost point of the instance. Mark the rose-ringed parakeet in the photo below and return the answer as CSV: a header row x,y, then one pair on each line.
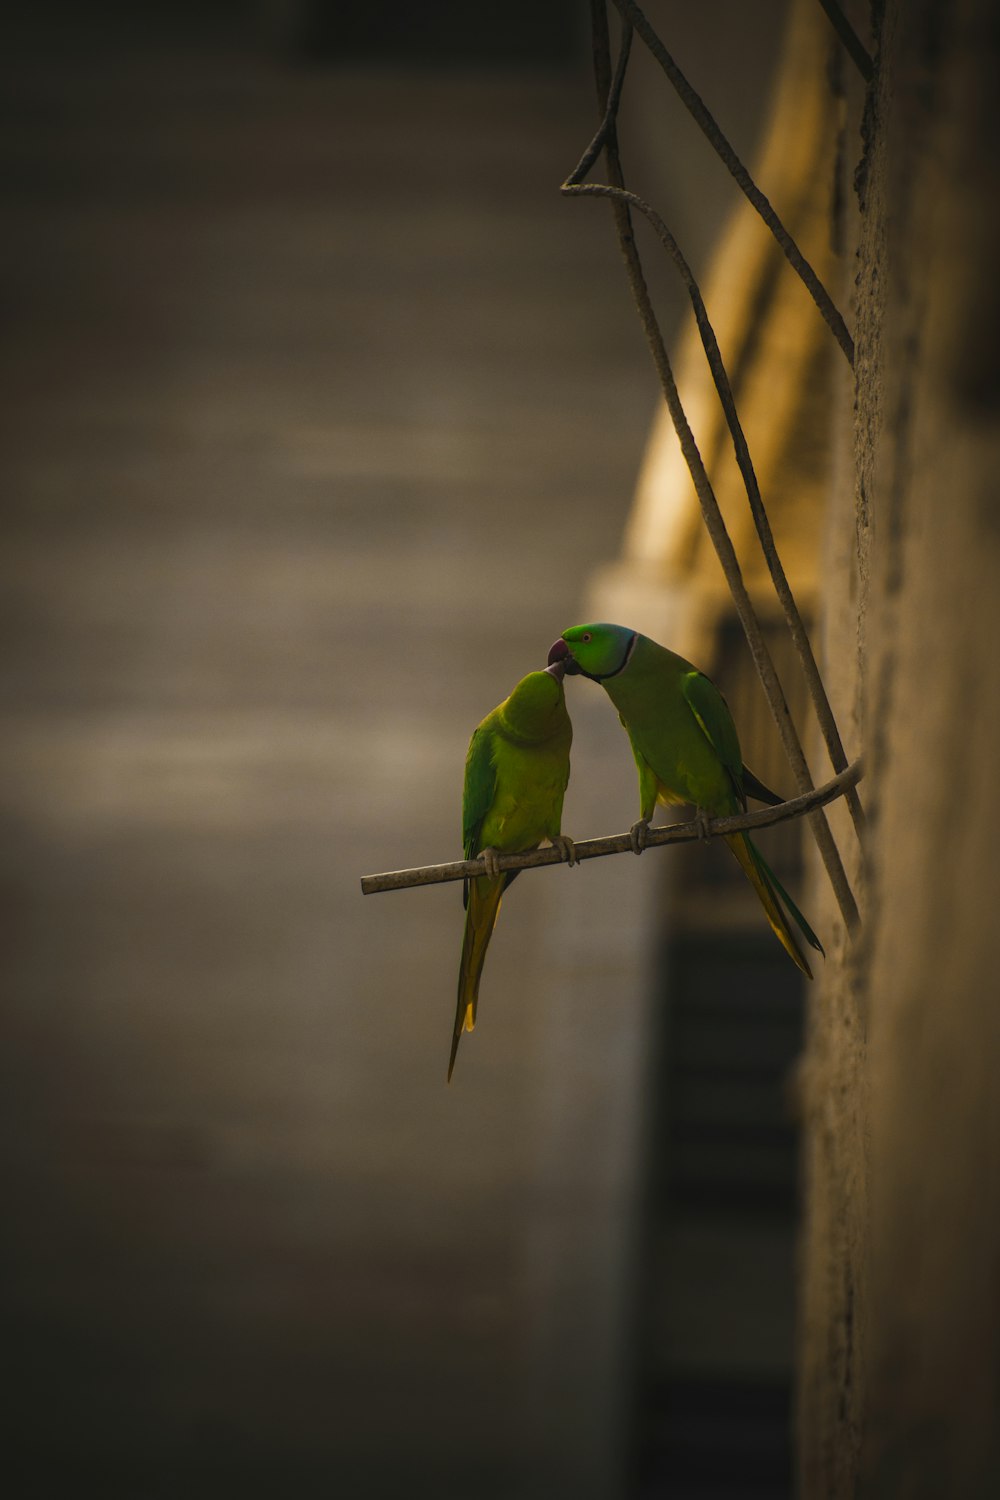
x,y
685,746
516,774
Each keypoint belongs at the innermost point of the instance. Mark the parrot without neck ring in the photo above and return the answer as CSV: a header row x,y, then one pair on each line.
x,y
516,773
686,748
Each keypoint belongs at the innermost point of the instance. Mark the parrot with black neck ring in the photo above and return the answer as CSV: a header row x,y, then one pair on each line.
x,y
686,749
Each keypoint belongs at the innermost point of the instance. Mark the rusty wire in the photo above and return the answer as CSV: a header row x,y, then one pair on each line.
x,y
617,843
632,16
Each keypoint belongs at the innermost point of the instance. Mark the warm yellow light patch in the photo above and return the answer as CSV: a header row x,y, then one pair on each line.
x,y
470,1020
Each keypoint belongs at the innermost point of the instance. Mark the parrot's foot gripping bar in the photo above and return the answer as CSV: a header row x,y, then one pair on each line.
x,y
620,843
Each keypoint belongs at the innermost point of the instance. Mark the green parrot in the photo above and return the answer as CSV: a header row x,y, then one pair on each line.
x,y
685,746
516,773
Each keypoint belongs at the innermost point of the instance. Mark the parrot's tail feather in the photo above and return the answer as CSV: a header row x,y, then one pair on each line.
x,y
480,918
755,788
771,894
787,901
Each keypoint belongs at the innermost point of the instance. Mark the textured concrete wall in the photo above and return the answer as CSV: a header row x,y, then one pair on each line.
x,y
901,1307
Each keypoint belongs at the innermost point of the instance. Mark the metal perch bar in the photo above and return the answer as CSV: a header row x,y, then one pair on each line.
x,y
618,843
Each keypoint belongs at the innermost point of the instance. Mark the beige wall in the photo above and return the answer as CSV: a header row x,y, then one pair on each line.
x,y
902,1249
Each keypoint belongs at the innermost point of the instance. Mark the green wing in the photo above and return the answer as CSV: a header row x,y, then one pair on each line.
x,y
477,794
478,791
649,784
716,723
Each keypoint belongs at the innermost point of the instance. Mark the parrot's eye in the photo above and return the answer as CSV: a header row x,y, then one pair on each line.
x,y
585,636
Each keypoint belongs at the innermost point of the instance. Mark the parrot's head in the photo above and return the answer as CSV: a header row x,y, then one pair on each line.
x,y
596,651
536,705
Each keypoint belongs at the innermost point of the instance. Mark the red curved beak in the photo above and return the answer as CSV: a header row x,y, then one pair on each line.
x,y
560,653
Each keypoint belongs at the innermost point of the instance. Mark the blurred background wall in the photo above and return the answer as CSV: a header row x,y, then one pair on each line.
x,y
320,407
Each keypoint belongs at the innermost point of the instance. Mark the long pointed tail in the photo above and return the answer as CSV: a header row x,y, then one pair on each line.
x,y
480,919
772,894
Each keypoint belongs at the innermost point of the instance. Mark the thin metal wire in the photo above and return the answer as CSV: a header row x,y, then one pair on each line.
x,y
842,26
633,16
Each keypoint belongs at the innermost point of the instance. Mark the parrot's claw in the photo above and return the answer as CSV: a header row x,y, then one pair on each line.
x,y
491,861
701,821
638,834
566,847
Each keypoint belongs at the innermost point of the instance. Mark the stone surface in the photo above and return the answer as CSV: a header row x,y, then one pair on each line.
x,y
902,1319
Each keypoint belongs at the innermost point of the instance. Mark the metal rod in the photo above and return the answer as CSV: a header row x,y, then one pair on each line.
x,y
705,120
618,843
